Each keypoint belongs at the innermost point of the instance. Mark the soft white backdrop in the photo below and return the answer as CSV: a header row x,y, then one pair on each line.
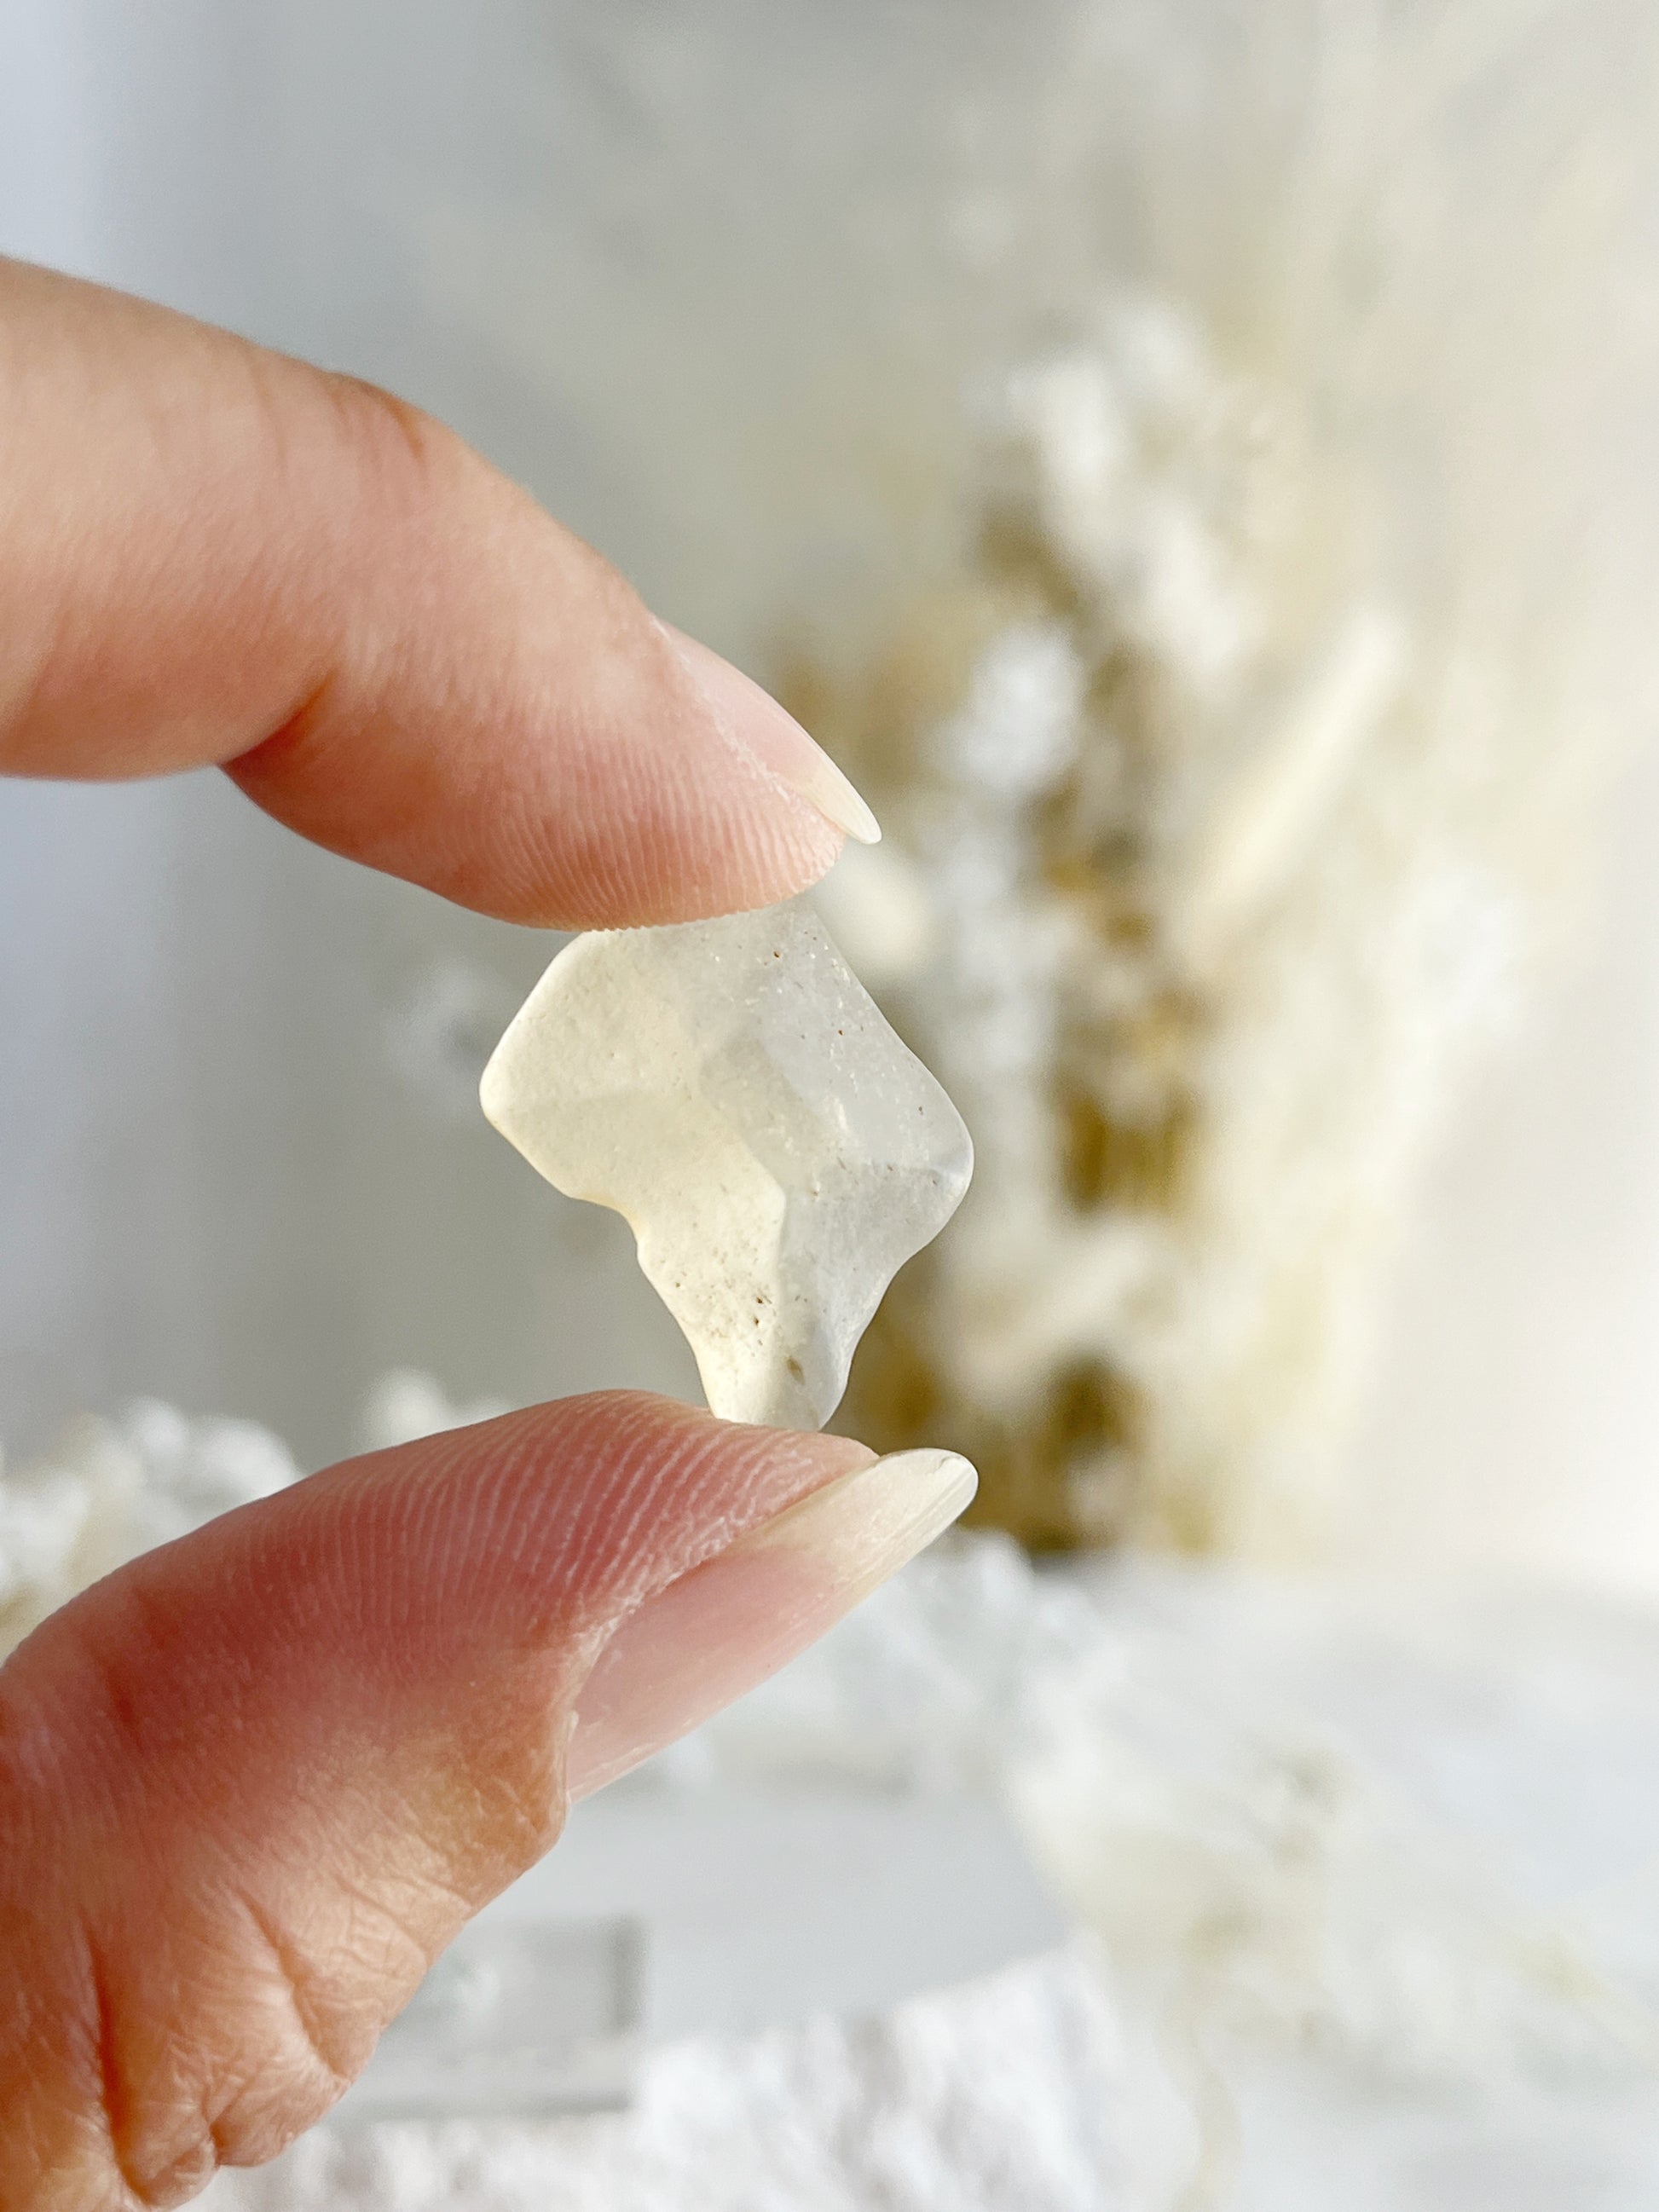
x,y
237,1163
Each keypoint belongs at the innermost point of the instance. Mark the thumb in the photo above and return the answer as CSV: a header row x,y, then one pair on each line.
x,y
253,1783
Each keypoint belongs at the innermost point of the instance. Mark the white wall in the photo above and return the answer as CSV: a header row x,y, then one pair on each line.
x,y
218,1179
1515,1417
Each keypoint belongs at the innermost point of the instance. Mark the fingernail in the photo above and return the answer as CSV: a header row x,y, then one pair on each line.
x,y
752,719
737,1618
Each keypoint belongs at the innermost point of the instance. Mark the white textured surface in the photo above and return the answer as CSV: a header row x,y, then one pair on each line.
x,y
731,1089
997,2098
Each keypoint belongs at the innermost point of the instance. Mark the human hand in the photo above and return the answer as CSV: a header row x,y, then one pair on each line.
x,y
250,1784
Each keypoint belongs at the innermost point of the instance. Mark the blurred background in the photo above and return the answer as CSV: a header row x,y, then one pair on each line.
x,y
1196,465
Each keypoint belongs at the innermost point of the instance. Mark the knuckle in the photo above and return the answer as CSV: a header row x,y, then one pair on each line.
x,y
401,447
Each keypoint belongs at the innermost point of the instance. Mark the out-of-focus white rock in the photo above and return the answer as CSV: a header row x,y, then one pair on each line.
x,y
406,1405
732,1091
109,1490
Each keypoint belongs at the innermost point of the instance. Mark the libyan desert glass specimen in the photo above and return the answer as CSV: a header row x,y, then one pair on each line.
x,y
731,1088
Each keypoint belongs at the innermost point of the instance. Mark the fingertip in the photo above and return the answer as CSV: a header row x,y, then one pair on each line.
x,y
542,748
253,1782
771,735
723,1627
216,554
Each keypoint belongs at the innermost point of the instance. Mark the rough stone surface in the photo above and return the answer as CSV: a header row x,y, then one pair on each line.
x,y
731,1088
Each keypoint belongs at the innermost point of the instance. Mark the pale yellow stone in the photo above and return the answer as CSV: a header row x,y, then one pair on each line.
x,y
731,1089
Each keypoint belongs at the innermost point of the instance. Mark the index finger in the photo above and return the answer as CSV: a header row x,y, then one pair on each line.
x,y
209,552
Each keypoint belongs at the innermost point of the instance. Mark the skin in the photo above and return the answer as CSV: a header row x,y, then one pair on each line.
x,y
253,1783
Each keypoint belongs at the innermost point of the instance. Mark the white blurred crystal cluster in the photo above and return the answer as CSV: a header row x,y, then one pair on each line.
x,y
1369,1870
110,1489
1231,787
1298,1814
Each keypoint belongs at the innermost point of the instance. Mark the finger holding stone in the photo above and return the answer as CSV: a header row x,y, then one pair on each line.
x,y
251,1783
212,553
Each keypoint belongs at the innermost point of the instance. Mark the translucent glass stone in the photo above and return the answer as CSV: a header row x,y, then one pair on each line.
x,y
731,1089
